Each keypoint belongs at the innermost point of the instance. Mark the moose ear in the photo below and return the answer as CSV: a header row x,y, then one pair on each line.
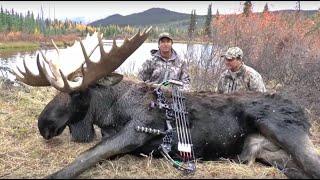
x,y
113,79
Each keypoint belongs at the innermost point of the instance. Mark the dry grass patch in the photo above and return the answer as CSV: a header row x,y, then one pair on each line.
x,y
25,154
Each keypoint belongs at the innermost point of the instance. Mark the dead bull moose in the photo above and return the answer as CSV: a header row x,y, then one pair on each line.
x,y
255,126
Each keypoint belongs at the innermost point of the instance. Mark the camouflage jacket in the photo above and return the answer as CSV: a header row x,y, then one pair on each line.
x,y
246,79
157,69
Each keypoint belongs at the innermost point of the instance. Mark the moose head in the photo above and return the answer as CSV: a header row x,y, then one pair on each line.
x,y
70,82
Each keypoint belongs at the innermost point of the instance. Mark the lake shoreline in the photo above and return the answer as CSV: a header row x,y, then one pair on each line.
x,y
29,45
18,40
25,42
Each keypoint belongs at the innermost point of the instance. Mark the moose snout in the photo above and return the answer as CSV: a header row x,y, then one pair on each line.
x,y
46,134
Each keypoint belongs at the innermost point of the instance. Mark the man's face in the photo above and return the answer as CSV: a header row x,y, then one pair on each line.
x,y
232,64
165,44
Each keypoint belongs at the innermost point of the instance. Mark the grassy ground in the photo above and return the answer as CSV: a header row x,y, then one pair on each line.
x,y
25,154
23,45
23,41
18,45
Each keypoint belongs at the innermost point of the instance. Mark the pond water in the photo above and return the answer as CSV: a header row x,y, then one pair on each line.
x,y
130,66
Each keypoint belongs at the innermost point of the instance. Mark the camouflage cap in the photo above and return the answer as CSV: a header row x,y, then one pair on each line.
x,y
165,35
233,52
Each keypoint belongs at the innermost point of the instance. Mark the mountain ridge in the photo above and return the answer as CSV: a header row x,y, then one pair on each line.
x,y
151,17
147,17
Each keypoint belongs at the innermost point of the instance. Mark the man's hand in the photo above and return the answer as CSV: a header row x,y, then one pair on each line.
x,y
155,85
171,81
163,87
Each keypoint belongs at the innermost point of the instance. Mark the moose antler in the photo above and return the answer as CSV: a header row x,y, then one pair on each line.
x,y
31,78
90,71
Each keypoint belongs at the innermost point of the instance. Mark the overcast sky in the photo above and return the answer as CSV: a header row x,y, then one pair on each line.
x,y
93,10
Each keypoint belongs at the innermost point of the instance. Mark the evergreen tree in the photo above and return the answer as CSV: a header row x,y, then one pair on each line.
x,y
1,17
192,25
32,23
3,20
266,8
247,9
207,25
21,22
9,21
14,21
298,7
217,15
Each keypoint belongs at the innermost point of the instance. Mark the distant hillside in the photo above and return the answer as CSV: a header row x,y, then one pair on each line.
x,y
304,12
149,17
163,17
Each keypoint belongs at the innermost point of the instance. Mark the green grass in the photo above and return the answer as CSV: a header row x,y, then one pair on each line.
x,y
16,46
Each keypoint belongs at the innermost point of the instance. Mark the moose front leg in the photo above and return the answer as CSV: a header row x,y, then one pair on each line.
x,y
125,141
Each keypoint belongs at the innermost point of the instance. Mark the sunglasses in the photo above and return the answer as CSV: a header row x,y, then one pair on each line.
x,y
229,60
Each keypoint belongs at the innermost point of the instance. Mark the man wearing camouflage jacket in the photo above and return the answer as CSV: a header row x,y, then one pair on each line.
x,y
165,64
238,76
